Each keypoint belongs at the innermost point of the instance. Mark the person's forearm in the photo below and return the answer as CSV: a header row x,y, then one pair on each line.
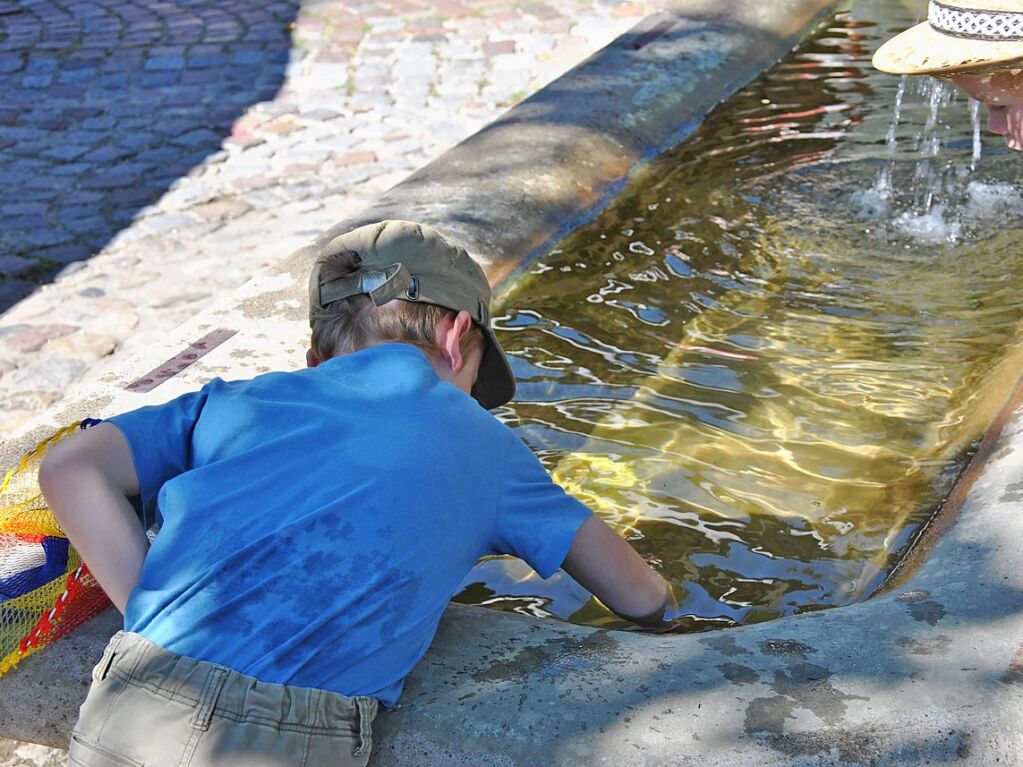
x,y
101,524
609,568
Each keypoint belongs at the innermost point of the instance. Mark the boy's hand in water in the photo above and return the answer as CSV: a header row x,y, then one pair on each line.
x,y
666,619
614,572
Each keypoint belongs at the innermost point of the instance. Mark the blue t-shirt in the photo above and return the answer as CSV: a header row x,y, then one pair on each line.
x,y
316,523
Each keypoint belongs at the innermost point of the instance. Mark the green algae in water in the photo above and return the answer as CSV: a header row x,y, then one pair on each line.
x,y
767,362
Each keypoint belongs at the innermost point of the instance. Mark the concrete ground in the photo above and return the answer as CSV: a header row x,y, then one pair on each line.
x,y
153,156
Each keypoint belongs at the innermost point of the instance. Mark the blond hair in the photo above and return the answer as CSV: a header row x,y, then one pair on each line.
x,y
354,323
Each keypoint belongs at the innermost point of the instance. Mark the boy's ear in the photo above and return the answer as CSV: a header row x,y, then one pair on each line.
x,y
311,358
453,331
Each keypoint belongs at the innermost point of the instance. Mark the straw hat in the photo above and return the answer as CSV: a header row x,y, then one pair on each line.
x,y
958,36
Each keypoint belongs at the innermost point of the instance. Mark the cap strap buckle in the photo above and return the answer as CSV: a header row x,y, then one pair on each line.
x,y
381,286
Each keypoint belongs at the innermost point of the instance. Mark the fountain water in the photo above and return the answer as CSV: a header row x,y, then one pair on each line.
x,y
755,364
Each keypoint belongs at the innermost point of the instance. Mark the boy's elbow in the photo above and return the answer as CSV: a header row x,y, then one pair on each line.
x,y
58,470
50,471
97,458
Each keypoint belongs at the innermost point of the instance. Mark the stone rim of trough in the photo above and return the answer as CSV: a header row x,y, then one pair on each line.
x,y
930,671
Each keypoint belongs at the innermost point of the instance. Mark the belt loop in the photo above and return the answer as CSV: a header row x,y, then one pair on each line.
x,y
208,698
364,706
101,669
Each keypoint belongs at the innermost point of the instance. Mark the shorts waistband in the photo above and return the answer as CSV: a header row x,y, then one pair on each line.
x,y
216,690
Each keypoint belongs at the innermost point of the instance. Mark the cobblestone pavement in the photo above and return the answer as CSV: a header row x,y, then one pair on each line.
x,y
154,154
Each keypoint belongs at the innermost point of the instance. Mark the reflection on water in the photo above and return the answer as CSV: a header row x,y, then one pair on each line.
x,y
768,361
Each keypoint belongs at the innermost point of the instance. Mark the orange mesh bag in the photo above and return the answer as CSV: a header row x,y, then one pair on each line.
x,y
45,588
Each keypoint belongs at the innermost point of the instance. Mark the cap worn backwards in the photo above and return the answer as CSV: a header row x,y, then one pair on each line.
x,y
406,261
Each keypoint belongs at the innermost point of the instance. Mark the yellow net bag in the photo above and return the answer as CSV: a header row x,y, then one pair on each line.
x,y
45,588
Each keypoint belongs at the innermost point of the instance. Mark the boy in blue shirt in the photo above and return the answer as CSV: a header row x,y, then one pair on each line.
x,y
314,524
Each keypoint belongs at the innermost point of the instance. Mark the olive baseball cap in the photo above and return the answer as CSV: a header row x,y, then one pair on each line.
x,y
414,262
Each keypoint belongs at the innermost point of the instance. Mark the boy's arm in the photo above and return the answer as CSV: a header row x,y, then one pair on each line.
x,y
610,569
87,480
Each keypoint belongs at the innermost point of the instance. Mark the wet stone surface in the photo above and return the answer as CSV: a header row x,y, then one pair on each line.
x,y
153,156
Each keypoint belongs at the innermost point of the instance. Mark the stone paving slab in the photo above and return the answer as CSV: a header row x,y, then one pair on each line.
x,y
154,155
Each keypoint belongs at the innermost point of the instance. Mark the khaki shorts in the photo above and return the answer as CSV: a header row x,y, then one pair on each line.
x,y
149,706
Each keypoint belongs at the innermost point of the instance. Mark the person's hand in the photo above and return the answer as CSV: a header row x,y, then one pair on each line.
x,y
1003,94
666,619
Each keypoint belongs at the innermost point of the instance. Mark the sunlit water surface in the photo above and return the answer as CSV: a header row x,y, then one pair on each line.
x,y
768,361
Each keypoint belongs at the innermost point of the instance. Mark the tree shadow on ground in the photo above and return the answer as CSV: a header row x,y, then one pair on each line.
x,y
894,680
106,103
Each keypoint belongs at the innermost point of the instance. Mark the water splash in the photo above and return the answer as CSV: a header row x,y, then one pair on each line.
x,y
932,226
920,191
975,122
883,187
